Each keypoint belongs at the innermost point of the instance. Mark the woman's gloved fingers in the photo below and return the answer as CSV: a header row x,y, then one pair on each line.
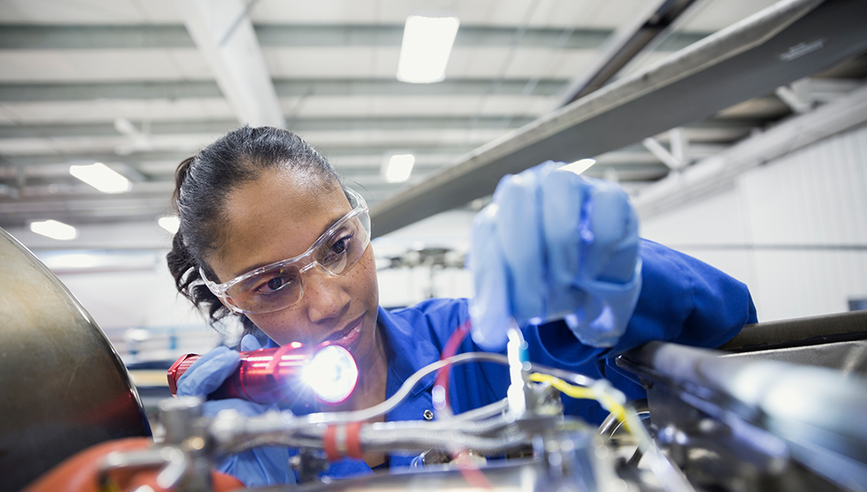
x,y
209,372
621,266
250,343
609,307
489,307
519,229
610,216
563,196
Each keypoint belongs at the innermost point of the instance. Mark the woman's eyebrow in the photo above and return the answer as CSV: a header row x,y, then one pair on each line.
x,y
329,225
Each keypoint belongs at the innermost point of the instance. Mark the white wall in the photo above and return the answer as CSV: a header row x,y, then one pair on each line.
x,y
794,229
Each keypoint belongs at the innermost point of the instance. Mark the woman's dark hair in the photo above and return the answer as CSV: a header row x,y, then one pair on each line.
x,y
202,184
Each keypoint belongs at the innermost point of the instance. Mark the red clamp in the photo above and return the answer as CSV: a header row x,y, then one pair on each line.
x,y
343,440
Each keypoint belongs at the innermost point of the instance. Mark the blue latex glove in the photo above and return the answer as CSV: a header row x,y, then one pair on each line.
x,y
555,245
259,466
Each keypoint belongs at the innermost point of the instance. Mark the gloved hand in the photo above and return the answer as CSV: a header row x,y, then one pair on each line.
x,y
259,466
554,245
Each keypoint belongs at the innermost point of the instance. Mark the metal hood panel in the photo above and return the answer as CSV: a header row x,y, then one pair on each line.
x,y
64,387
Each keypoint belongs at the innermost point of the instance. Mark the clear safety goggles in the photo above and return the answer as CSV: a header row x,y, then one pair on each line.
x,y
279,285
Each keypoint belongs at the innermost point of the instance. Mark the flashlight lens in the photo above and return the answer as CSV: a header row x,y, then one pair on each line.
x,y
331,374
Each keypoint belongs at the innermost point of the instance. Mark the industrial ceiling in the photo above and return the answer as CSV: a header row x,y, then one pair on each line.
x,y
141,84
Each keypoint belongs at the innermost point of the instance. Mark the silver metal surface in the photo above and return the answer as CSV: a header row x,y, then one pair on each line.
x,y
757,411
846,357
64,388
800,332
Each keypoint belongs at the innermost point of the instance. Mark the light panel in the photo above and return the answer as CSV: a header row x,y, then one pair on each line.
x,y
399,167
578,167
101,177
170,223
426,47
54,229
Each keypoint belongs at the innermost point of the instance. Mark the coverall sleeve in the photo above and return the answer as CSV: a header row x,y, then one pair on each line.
x,y
682,300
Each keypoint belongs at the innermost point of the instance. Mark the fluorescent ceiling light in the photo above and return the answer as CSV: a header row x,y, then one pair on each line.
x,y
399,167
579,167
101,177
171,223
424,52
54,230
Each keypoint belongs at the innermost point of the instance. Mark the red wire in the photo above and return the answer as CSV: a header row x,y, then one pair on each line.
x,y
449,350
471,473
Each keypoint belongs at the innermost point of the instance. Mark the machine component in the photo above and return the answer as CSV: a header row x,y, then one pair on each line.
x,y
285,375
741,424
834,341
50,343
718,421
182,457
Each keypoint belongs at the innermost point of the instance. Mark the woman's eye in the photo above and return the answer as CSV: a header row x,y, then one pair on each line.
x,y
274,284
340,246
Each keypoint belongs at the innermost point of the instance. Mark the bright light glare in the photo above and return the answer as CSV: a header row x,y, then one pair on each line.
x,y
54,230
579,167
101,177
170,223
399,168
331,374
424,52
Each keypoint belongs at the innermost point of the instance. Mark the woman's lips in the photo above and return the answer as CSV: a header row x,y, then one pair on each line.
x,y
349,336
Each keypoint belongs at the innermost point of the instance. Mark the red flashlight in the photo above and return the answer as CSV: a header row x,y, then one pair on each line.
x,y
289,376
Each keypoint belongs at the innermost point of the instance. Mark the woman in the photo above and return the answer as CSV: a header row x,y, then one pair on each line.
x,y
269,234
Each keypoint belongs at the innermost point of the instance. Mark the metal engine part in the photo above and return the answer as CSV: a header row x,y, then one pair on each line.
x,y
64,387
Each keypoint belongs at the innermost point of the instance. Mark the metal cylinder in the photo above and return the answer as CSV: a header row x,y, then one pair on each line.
x,y
64,387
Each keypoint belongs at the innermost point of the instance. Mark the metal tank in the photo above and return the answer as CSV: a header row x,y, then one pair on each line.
x,y
62,385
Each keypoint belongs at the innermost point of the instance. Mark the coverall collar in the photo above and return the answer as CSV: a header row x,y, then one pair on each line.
x,y
409,350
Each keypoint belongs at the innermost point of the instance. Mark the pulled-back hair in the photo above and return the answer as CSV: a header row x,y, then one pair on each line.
x,y
202,184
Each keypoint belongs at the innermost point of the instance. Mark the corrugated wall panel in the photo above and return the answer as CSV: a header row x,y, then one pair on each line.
x,y
795,229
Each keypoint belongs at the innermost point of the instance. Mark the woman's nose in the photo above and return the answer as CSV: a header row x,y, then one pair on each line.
x,y
325,296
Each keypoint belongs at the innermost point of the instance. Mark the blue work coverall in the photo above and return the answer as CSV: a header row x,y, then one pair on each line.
x,y
682,300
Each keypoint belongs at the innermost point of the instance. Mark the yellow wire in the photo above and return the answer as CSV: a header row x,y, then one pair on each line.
x,y
567,389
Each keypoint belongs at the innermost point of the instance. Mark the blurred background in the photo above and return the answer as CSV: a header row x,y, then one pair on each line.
x,y
764,178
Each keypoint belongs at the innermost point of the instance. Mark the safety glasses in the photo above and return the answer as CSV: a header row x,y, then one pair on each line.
x,y
280,285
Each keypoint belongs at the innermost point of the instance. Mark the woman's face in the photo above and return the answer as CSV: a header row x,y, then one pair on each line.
x,y
279,216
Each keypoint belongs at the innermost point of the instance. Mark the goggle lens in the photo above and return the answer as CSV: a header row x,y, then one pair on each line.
x,y
281,286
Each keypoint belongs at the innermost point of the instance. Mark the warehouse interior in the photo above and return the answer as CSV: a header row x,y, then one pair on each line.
x,y
737,127
125,83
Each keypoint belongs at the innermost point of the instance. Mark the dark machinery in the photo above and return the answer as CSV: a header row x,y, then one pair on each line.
x,y
64,387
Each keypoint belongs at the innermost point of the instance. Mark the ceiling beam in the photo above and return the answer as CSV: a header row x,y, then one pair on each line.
x,y
190,89
330,151
625,43
96,37
790,40
300,125
638,168
148,203
225,37
39,37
